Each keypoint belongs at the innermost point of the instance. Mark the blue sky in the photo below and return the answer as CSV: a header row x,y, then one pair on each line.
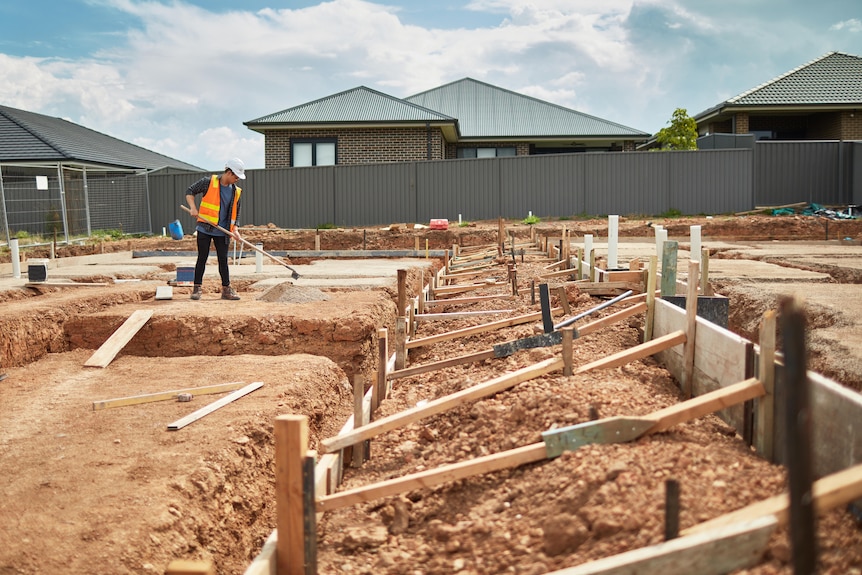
x,y
181,77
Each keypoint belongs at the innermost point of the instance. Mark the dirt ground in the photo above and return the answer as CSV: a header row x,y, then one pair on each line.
x,y
113,491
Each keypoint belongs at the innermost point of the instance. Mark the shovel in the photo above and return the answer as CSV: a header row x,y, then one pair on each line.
x,y
294,274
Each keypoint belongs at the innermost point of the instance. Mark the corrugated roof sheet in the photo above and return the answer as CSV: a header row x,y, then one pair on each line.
x,y
30,137
357,105
835,78
485,111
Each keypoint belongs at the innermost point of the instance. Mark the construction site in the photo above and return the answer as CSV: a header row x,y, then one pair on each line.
x,y
608,395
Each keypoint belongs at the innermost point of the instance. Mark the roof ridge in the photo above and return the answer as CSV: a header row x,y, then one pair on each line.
x,y
785,75
528,97
348,91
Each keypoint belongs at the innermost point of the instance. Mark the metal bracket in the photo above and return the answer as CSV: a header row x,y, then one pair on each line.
x,y
610,430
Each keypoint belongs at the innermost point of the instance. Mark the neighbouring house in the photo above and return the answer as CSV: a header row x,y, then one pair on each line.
x,y
820,100
57,177
462,119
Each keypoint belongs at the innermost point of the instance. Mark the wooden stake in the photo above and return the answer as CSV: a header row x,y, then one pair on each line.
x,y
668,268
568,340
798,429
671,509
402,292
690,330
358,418
705,287
564,300
382,362
291,447
765,432
650,298
401,342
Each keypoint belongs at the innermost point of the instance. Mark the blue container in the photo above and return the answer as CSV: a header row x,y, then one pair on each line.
x,y
176,229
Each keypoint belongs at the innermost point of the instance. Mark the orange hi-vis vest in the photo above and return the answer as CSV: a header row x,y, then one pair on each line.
x,y
211,202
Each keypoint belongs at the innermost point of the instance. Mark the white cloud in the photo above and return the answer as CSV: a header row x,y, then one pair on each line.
x,y
851,25
183,81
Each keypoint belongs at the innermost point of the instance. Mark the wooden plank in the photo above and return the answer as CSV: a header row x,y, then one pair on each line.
x,y
482,328
715,552
463,300
829,492
441,404
442,364
627,276
613,318
264,562
112,346
636,352
195,415
456,289
424,479
64,284
457,314
704,404
165,395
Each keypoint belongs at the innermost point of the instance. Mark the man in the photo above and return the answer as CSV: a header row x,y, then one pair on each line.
x,y
219,206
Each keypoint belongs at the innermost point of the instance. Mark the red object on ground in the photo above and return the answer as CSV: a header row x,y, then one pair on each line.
x,y
439,224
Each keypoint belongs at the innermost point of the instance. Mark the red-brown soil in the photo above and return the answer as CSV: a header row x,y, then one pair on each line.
x,y
113,491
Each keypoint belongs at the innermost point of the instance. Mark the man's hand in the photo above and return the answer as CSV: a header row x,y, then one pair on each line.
x,y
193,211
236,235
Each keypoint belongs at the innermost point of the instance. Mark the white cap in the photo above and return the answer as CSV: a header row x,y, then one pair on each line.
x,y
236,166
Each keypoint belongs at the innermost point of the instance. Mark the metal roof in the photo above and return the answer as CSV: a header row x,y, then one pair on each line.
x,y
30,137
484,111
835,78
358,105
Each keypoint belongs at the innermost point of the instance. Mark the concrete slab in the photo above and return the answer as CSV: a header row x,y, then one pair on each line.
x,y
359,273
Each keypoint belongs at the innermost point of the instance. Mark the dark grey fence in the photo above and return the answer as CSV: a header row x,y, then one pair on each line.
x,y
709,182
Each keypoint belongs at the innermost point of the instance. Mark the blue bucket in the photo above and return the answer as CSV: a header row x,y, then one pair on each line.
x,y
176,229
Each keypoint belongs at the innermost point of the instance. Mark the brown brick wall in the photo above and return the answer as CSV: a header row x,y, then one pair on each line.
x,y
359,146
740,123
845,125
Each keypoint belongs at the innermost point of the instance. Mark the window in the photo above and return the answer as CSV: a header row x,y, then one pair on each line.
x,y
316,152
486,152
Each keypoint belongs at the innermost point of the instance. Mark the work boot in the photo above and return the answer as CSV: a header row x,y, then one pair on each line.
x,y
196,293
227,292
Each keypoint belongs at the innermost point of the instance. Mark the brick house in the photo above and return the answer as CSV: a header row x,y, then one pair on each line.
x,y
463,119
820,100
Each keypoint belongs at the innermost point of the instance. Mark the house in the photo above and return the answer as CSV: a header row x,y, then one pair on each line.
x,y
820,100
462,119
59,177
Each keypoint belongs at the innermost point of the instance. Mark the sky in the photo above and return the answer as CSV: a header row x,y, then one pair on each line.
x,y
180,77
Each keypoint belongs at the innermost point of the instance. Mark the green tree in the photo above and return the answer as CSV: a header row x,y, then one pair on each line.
x,y
681,134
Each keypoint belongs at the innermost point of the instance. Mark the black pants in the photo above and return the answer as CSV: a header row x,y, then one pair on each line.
x,y
221,245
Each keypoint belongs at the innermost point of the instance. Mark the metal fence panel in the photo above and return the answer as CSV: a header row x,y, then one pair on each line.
x,y
627,184
447,188
167,193
117,201
375,194
716,183
289,197
544,185
790,172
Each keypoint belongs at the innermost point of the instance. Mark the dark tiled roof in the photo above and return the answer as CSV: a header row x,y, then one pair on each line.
x,y
359,105
835,78
484,110
30,137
